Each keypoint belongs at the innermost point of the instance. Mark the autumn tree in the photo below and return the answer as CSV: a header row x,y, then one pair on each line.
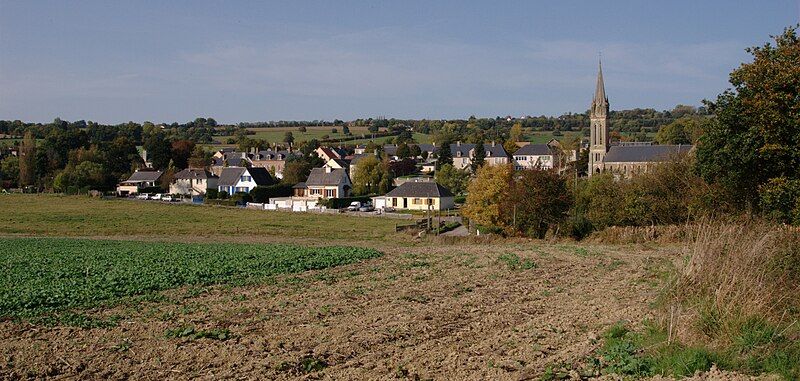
x,y
514,136
181,151
537,200
200,158
486,193
686,130
755,135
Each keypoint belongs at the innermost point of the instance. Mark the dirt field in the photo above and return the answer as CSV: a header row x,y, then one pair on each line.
x,y
423,311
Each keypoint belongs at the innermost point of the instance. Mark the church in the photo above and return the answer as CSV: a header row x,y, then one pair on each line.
x,y
623,159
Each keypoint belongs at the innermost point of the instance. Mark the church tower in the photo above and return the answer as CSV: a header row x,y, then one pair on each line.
x,y
598,117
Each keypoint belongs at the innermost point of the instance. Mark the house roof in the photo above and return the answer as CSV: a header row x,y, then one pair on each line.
x,y
330,152
230,176
495,150
357,158
300,186
534,149
194,174
639,154
341,162
423,189
274,155
321,177
234,160
145,176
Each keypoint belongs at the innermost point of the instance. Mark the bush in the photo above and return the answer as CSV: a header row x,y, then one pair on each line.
x,y
343,202
780,199
263,194
212,193
222,195
241,198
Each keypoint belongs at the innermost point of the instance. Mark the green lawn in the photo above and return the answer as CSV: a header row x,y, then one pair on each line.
x,y
53,215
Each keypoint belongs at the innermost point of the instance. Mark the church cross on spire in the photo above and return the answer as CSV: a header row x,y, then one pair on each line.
x,y
600,91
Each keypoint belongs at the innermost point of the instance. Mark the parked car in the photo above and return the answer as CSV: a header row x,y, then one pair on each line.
x,y
354,206
157,196
143,196
168,198
366,208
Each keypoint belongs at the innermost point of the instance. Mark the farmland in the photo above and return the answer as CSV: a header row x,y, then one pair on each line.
x,y
183,292
73,273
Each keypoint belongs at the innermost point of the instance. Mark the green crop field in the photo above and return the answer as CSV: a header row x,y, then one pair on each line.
x,y
41,275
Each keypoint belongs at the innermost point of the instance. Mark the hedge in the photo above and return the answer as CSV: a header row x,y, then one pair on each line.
x,y
338,203
263,194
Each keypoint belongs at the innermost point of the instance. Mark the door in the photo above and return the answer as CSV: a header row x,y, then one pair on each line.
x,y
405,203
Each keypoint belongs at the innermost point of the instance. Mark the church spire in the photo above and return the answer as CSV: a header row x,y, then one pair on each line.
x,y
600,91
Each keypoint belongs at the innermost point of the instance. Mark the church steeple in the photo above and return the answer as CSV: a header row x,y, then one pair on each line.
x,y
598,119
600,101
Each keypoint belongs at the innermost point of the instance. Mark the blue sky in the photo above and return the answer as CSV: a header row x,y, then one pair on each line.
x,y
164,61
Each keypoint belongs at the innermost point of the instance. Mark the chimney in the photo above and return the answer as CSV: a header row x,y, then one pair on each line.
x,y
493,143
328,169
458,143
244,155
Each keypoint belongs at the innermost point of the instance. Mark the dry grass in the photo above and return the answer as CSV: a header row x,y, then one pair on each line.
x,y
619,235
736,273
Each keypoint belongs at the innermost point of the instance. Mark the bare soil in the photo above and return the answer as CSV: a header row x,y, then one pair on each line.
x,y
425,310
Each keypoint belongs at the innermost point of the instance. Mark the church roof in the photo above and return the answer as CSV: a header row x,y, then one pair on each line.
x,y
641,154
600,90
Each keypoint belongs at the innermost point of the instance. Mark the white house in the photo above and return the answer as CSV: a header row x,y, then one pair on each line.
x,y
241,179
463,154
138,181
533,156
424,195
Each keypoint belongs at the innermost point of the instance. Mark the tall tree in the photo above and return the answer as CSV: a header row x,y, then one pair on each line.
x,y
403,151
456,180
181,151
445,155
27,160
756,133
485,194
514,136
537,200
478,156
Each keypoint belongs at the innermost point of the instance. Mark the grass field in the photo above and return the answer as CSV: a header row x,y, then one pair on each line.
x,y
51,215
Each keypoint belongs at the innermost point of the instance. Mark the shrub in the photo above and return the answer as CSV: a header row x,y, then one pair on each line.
x,y
241,198
263,194
222,195
780,199
212,193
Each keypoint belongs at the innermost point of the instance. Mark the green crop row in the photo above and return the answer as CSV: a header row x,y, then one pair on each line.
x,y
41,275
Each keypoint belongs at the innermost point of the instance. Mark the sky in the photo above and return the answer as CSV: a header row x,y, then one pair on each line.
x,y
173,61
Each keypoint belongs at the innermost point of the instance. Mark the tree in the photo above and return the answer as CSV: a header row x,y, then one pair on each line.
x,y
685,130
514,136
445,155
537,200
755,135
181,151
296,171
302,129
120,157
415,151
200,158
346,130
402,167
478,157
403,151
9,170
27,160
159,150
456,180
368,174
288,137
485,195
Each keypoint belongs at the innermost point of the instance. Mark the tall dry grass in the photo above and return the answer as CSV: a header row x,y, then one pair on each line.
x,y
735,274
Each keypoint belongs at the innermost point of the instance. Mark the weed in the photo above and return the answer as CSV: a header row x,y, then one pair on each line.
x,y
193,334
304,365
514,262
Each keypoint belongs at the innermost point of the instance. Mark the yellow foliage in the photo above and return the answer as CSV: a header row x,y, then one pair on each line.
x,y
489,187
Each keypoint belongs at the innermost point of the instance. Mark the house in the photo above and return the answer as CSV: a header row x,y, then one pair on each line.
x,y
241,179
229,159
193,182
428,166
360,149
424,195
355,160
138,181
328,183
464,153
273,161
327,153
338,164
541,156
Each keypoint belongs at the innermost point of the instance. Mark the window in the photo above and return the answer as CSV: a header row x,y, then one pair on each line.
x,y
330,193
316,191
430,202
246,178
242,189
